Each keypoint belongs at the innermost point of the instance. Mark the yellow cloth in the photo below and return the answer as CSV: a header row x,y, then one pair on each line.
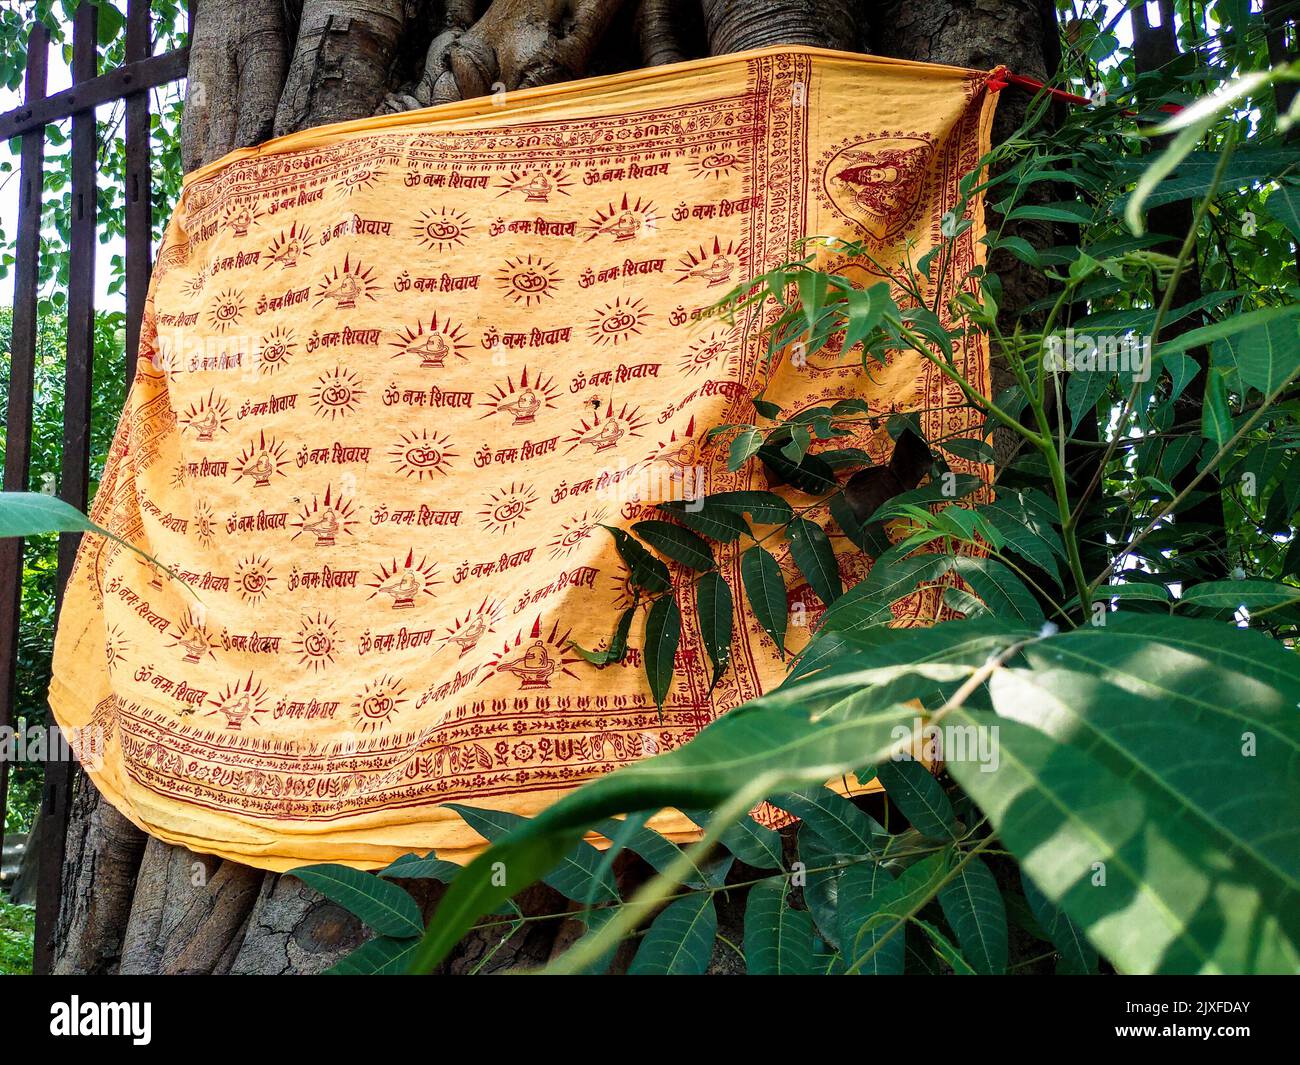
x,y
395,372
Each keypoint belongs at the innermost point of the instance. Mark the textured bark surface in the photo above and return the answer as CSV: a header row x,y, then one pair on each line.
x,y
258,68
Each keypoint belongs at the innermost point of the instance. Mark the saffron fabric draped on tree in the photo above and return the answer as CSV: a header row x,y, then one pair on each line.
x,y
395,376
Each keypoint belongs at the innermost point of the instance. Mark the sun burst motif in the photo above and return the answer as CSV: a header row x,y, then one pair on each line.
x,y
535,658
206,417
605,432
317,641
357,181
180,475
195,285
441,229
466,632
718,347
226,310
239,702
433,344
116,647
288,246
536,186
405,581
326,518
624,221
507,507
618,321
713,165
190,633
714,266
205,523
347,284
337,393
260,460
253,578
275,349
422,454
377,702
523,399
575,532
529,279
241,216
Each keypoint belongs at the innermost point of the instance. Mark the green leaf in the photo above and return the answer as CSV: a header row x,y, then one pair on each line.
x,y
919,796
384,956
578,874
747,840
657,850
1216,417
681,545
764,508
715,609
944,947
778,939
1228,327
765,589
1265,357
617,642
843,828
1199,850
861,889
815,557
680,941
1284,205
385,907
743,447
973,906
1002,591
663,631
413,867
717,523
644,570
1229,595
1078,956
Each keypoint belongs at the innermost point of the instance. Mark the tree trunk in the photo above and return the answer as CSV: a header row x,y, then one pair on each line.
x,y
258,69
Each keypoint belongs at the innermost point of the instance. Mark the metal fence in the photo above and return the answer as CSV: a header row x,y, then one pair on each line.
x,y
90,88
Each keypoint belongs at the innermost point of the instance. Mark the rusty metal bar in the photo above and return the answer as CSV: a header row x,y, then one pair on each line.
x,y
75,482
138,191
81,98
22,367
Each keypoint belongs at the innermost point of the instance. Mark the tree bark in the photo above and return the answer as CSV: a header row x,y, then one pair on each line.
x,y
258,69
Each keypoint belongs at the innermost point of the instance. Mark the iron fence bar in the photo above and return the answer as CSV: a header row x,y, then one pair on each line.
x,y
138,190
74,485
140,76
22,370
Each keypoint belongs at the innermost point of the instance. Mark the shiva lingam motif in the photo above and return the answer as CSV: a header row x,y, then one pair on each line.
x,y
235,711
470,635
195,645
206,424
624,227
289,253
241,220
403,589
323,528
537,189
534,669
433,352
344,292
718,271
524,407
261,470
605,437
